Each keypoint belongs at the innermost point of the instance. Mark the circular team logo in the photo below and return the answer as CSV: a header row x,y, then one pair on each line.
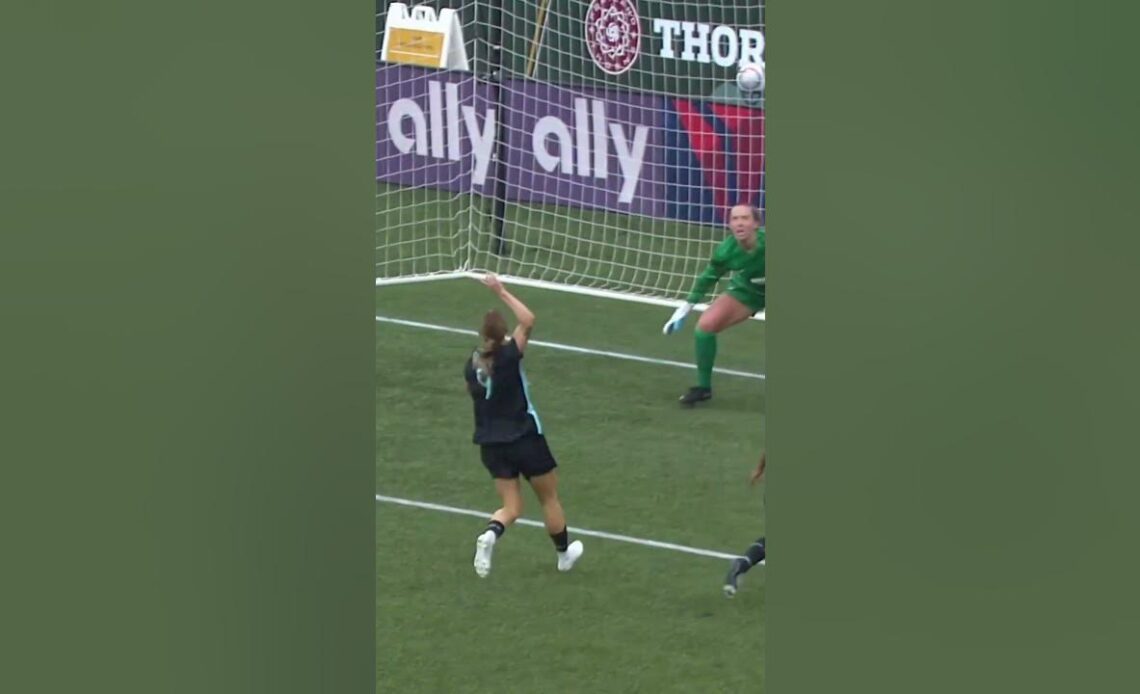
x,y
613,34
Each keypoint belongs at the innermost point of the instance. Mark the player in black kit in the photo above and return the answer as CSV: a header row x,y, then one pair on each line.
x,y
509,432
757,552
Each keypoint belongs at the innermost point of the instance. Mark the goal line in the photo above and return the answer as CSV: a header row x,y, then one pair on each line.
x,y
543,284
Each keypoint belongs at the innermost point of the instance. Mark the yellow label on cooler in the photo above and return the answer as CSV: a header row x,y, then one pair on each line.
x,y
416,47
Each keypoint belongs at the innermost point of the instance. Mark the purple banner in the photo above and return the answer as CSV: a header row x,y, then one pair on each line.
x,y
420,135
585,148
631,153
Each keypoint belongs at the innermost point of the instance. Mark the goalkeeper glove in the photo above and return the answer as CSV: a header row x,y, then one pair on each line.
x,y
677,319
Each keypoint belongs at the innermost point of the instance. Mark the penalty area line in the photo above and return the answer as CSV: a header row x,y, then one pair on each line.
x,y
577,531
572,348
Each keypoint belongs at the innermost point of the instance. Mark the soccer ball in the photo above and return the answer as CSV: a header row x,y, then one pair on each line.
x,y
750,78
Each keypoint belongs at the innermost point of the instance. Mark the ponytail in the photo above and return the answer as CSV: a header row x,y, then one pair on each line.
x,y
493,332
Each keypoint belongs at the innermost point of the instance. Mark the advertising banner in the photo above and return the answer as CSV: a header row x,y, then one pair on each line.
x,y
648,155
690,48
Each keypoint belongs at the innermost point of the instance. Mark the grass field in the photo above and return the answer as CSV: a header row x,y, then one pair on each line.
x,y
628,618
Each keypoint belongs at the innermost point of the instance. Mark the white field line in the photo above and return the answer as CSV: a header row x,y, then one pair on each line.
x,y
572,348
577,531
543,284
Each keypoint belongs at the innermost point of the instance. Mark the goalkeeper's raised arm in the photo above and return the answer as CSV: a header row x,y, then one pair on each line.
x,y
743,255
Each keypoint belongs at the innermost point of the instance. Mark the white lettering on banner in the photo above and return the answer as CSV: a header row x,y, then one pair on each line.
x,y
453,152
720,58
751,46
698,40
704,43
667,28
544,128
435,101
584,153
406,108
481,144
689,39
580,114
630,158
601,152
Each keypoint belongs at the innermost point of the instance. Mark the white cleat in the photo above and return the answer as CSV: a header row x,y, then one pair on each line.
x,y
567,559
484,545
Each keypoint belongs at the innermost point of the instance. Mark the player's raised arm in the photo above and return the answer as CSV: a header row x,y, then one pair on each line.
x,y
704,282
523,315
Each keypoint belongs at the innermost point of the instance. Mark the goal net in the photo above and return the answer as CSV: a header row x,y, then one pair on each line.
x,y
591,145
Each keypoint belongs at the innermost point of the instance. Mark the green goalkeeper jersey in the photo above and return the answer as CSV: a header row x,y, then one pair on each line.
x,y
747,283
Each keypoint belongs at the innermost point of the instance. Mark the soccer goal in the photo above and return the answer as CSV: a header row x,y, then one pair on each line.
x,y
592,146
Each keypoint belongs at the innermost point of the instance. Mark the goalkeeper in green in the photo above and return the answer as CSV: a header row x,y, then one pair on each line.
x,y
743,254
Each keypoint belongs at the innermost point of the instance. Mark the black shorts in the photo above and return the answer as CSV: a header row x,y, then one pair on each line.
x,y
529,456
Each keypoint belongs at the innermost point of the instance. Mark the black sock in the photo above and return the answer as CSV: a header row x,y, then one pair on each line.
x,y
496,527
561,540
755,553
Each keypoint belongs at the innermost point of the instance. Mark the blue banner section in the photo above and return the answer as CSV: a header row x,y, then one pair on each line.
x,y
714,159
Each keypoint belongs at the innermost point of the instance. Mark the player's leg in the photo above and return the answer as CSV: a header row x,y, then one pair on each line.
x,y
511,496
724,313
501,519
497,460
755,555
546,488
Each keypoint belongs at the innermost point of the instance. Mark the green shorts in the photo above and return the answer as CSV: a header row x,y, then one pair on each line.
x,y
748,296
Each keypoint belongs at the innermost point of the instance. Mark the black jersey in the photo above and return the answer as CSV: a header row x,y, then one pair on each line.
x,y
503,408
